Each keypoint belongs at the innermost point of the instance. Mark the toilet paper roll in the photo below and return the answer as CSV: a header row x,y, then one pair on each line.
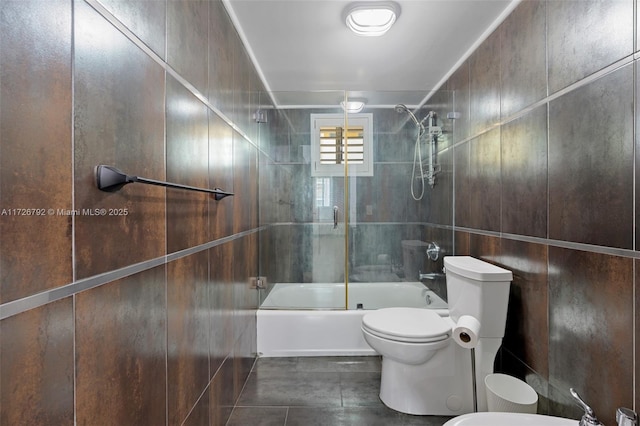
x,y
466,331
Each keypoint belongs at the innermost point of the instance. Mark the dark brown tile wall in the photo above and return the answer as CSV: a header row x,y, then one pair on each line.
x,y
173,342
551,195
35,134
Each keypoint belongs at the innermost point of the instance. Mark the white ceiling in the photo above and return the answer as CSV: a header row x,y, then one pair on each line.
x,y
307,56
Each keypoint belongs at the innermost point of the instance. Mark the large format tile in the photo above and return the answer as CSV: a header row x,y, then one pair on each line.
x,y
591,321
523,57
119,122
146,19
527,329
221,213
591,163
121,344
585,36
292,388
187,164
187,40
221,53
357,416
258,416
462,186
484,93
36,361
188,331
524,175
36,162
485,184
459,86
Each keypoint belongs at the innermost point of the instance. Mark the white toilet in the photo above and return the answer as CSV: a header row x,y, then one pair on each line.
x,y
424,371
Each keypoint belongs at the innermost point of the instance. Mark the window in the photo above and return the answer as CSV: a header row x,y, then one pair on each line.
x,y
333,145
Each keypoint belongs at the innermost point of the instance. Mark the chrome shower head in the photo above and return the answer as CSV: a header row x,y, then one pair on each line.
x,y
401,108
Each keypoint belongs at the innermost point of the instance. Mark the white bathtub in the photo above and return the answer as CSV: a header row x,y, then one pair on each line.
x,y
310,319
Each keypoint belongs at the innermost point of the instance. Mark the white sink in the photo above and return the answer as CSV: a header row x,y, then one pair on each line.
x,y
509,419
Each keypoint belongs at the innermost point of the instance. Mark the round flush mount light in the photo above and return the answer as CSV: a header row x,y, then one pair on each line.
x,y
371,18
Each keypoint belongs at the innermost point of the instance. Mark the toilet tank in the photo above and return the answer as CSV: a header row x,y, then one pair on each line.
x,y
479,289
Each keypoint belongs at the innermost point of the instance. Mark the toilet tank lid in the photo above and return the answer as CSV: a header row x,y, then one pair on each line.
x,y
476,269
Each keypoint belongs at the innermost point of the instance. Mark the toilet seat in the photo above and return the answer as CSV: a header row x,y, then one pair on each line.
x,y
410,325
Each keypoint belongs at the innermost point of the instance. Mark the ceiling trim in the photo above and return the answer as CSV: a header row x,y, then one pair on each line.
x,y
495,24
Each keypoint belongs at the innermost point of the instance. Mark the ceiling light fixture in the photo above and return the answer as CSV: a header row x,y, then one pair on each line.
x,y
371,18
352,107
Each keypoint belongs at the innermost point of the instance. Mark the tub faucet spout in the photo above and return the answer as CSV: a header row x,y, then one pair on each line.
x,y
431,276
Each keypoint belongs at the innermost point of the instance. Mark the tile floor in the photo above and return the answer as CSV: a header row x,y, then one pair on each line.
x,y
318,391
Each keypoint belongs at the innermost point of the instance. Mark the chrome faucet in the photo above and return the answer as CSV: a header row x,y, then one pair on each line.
x,y
626,417
588,418
431,276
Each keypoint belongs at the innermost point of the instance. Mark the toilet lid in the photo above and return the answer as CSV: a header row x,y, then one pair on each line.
x,y
409,324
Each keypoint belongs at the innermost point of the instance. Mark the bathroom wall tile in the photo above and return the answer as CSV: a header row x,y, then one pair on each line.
x,y
221,160
484,93
187,40
36,360
245,265
523,57
243,359
461,241
119,122
441,195
221,305
200,414
188,331
121,344
591,163
245,175
221,52
485,181
585,36
527,331
462,185
146,19
242,67
459,86
637,329
524,174
591,328
35,129
485,247
222,394
187,149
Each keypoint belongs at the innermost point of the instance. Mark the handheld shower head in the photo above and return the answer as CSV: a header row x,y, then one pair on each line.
x,y
401,108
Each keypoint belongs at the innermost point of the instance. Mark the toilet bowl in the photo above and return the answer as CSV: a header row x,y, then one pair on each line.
x,y
424,371
420,361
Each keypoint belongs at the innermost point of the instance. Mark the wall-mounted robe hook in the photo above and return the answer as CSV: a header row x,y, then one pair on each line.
x,y
110,179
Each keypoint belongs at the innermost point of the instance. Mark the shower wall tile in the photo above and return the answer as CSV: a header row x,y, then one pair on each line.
x,y
527,331
35,133
591,163
441,195
523,57
459,86
121,346
524,174
484,84
187,149
118,122
146,19
585,36
188,331
485,247
221,52
461,241
462,185
36,360
187,40
485,181
591,317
